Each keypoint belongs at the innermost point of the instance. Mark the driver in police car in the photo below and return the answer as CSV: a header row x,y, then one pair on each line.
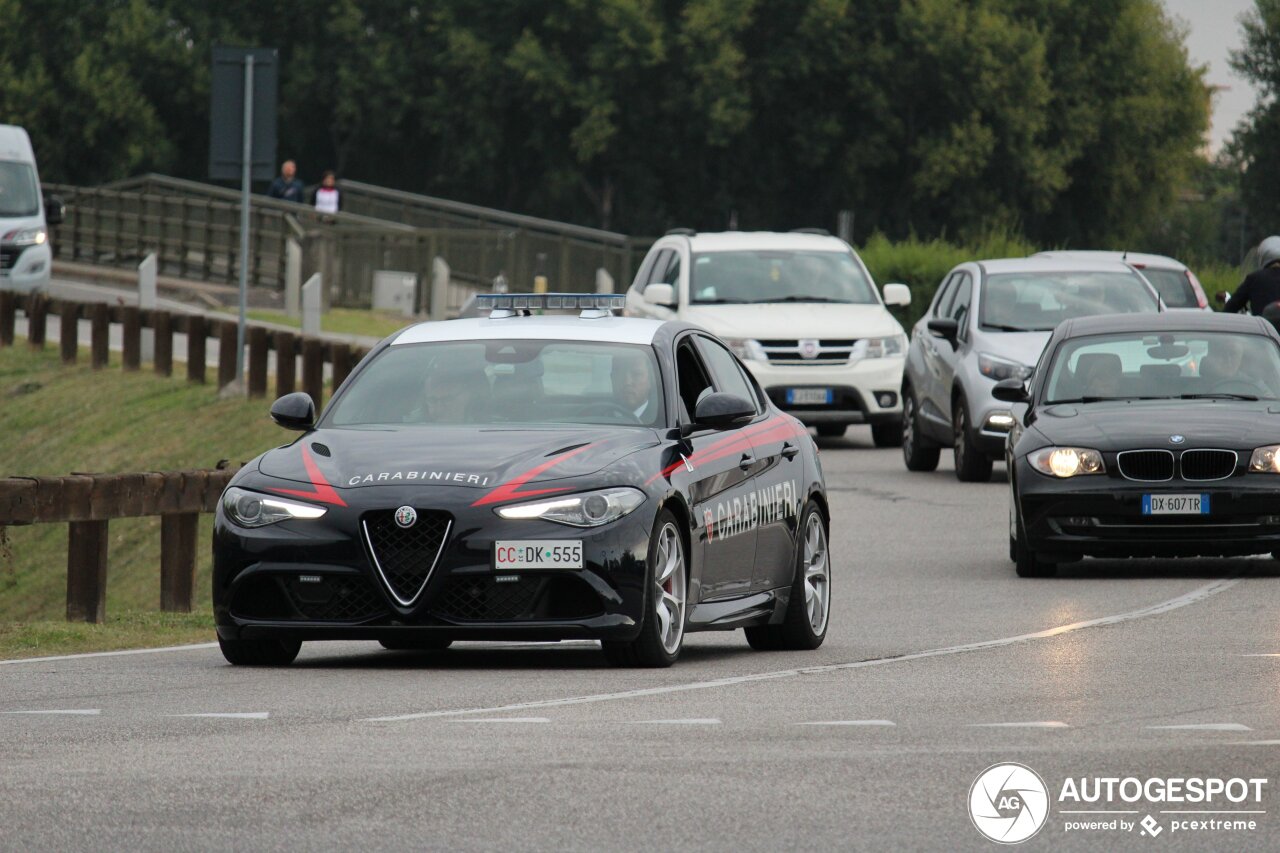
x,y
633,385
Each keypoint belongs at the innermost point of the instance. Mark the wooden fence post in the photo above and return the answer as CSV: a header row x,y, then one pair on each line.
x,y
162,322
69,332
37,317
87,571
132,326
177,561
341,364
257,338
195,348
286,363
226,353
313,369
8,317
100,329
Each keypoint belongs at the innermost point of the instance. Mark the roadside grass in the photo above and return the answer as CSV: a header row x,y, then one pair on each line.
x,y
343,321
55,420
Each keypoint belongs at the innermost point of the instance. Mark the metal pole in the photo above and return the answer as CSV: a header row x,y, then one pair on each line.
x,y
246,168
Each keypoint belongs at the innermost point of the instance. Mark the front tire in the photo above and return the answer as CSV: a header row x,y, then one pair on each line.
x,y
665,603
972,465
887,435
804,626
1025,561
260,652
915,453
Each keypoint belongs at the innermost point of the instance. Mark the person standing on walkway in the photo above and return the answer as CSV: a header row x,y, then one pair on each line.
x,y
328,197
286,186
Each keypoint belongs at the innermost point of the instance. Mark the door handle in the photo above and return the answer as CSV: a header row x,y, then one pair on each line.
x,y
789,450
747,461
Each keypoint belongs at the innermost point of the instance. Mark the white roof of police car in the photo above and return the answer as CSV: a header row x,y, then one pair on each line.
x,y
547,327
1051,265
1138,259
765,241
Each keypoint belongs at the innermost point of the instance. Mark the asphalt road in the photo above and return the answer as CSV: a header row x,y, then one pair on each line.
x,y
939,663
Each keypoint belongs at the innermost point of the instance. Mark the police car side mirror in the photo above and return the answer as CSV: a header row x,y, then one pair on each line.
x,y
1010,391
723,411
660,294
294,411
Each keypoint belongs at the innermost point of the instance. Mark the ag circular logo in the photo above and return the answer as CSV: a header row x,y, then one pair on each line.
x,y
1008,803
406,516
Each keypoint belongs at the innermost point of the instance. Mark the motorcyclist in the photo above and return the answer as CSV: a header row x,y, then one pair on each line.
x,y
1260,288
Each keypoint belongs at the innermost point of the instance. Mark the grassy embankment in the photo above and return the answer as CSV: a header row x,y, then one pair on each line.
x,y
342,321
55,420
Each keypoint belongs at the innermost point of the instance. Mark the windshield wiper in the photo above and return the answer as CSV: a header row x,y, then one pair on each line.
x,y
1002,328
802,298
721,302
1218,395
1091,399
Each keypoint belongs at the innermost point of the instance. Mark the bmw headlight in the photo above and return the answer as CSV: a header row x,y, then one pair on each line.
x,y
746,349
1266,460
585,509
994,367
254,509
26,237
894,345
1066,462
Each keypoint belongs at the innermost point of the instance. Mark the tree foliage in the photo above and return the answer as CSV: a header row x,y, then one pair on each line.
x,y
1072,121
1256,142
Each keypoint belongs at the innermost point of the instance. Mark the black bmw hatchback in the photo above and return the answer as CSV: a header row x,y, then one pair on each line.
x,y
1146,435
521,477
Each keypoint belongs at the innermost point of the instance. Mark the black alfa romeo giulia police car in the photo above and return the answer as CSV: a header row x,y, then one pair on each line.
x,y
529,476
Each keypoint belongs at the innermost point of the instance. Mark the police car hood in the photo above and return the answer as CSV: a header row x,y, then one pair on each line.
x,y
353,458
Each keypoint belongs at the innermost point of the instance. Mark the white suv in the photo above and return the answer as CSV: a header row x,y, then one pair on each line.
x,y
799,309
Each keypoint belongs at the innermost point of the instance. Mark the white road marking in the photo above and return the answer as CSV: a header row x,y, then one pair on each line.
x,y
849,723
246,715
192,647
78,712
1255,743
690,721
1038,724
503,720
1263,655
1206,727
1194,596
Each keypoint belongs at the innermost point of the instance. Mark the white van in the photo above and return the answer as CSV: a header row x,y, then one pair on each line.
x,y
800,310
25,256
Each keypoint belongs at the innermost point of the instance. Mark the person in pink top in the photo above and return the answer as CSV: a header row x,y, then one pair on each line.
x,y
328,196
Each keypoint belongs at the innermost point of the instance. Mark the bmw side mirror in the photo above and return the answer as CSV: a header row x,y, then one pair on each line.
x,y
723,411
54,210
1010,391
294,411
945,328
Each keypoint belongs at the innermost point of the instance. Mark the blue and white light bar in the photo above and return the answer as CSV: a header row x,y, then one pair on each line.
x,y
549,301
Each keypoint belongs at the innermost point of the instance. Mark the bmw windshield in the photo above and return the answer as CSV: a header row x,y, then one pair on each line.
x,y
529,382
1039,301
778,276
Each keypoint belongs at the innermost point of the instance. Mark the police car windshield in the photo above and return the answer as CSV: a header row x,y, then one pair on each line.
x,y
18,195
492,382
778,276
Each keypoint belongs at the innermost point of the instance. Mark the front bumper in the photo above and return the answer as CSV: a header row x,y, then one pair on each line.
x,y
315,580
25,268
1101,516
864,391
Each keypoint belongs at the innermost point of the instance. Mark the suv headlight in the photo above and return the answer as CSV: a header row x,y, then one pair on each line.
x,y
746,349
994,367
26,237
585,509
1066,462
894,345
1266,460
254,509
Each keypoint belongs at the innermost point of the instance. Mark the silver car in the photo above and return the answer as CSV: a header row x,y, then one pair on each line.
x,y
990,321
1177,285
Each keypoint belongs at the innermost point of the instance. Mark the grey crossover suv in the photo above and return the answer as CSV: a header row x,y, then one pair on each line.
x,y
990,321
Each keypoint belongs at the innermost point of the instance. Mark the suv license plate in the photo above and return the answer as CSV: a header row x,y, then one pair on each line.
x,y
1175,504
809,396
526,554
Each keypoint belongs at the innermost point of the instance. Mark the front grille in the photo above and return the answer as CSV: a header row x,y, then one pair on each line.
x,y
341,599
405,557
1148,466
485,598
9,256
790,352
1208,464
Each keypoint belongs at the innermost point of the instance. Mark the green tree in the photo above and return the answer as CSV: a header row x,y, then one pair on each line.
x,y
1256,141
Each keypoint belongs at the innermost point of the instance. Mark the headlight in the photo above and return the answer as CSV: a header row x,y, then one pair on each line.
x,y
26,237
746,349
894,345
586,509
1067,461
1266,460
997,368
253,509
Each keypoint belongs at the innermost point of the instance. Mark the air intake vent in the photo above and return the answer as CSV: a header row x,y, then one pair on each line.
x,y
1208,464
1147,466
405,557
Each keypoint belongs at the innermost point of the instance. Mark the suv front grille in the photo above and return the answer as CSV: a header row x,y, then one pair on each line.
x,y
791,352
1208,464
1147,466
405,557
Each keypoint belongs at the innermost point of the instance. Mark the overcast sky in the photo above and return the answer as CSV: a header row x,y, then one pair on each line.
x,y
1214,31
